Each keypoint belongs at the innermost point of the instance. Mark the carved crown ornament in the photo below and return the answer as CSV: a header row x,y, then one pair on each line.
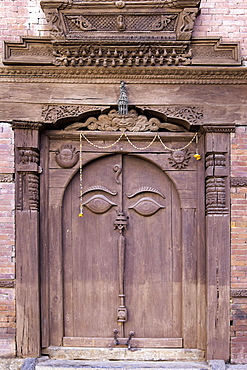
x,y
104,34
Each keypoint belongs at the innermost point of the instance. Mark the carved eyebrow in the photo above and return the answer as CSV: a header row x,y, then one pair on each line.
x,y
144,190
99,187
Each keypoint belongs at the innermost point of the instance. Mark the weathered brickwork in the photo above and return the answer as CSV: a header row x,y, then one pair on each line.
x,y
239,248
7,242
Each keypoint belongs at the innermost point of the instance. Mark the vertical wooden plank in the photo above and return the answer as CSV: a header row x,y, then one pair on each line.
x,y
55,273
189,277
27,241
27,284
201,250
218,287
44,240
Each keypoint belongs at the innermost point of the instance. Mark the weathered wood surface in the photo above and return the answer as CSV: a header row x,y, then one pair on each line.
x,y
135,342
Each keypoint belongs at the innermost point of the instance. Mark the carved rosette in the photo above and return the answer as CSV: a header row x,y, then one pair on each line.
x,y
28,171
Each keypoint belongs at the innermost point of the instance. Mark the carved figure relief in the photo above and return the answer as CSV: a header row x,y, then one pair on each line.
x,y
132,121
121,26
188,20
179,159
67,157
54,21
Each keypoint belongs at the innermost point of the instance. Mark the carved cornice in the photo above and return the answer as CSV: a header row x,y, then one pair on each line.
x,y
26,125
238,293
238,182
164,75
218,128
6,177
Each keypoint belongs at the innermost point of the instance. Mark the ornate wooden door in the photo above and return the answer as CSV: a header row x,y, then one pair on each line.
x,y
122,260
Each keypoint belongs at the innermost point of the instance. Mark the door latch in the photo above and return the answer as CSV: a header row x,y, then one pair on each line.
x,y
127,343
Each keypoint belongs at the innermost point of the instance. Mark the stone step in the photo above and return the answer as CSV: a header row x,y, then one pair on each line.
x,y
121,365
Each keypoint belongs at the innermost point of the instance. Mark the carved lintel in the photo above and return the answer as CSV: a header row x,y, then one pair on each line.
x,y
216,196
238,182
239,293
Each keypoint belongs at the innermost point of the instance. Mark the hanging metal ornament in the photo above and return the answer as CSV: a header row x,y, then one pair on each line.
x,y
123,101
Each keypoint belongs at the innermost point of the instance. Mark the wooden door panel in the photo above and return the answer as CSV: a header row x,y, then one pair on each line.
x,y
152,259
90,253
152,266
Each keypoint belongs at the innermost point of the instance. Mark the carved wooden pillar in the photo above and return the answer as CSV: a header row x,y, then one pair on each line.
x,y
217,186
27,238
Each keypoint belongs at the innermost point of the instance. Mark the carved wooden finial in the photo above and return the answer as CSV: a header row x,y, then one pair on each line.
x,y
123,100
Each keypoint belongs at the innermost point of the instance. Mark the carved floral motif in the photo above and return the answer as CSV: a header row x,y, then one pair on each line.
x,y
179,159
66,156
193,115
52,113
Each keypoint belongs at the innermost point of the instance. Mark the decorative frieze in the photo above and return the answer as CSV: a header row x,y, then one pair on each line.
x,y
239,293
6,177
238,182
143,55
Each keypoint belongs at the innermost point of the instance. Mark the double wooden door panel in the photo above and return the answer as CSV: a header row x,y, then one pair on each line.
x,y
122,259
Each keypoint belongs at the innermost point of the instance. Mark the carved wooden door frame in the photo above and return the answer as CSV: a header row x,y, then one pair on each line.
x,y
32,150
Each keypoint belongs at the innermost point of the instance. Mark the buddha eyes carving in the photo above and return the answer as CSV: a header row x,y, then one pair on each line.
x,y
99,204
146,206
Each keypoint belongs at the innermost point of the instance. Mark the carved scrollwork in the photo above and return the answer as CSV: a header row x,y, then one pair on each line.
x,y
81,22
132,121
163,22
179,159
66,156
188,20
193,115
52,112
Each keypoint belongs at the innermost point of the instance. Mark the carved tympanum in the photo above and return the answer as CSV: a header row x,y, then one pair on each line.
x,y
132,121
66,156
179,159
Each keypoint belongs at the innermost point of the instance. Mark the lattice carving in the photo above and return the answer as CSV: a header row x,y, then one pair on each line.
x,y
193,115
216,195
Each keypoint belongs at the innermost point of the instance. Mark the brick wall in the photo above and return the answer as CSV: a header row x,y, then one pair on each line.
x,y
239,248
7,252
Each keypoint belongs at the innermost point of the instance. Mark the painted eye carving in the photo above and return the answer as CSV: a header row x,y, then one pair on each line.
x,y
99,204
146,206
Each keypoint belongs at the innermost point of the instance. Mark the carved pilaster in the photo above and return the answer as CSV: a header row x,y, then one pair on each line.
x,y
28,170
